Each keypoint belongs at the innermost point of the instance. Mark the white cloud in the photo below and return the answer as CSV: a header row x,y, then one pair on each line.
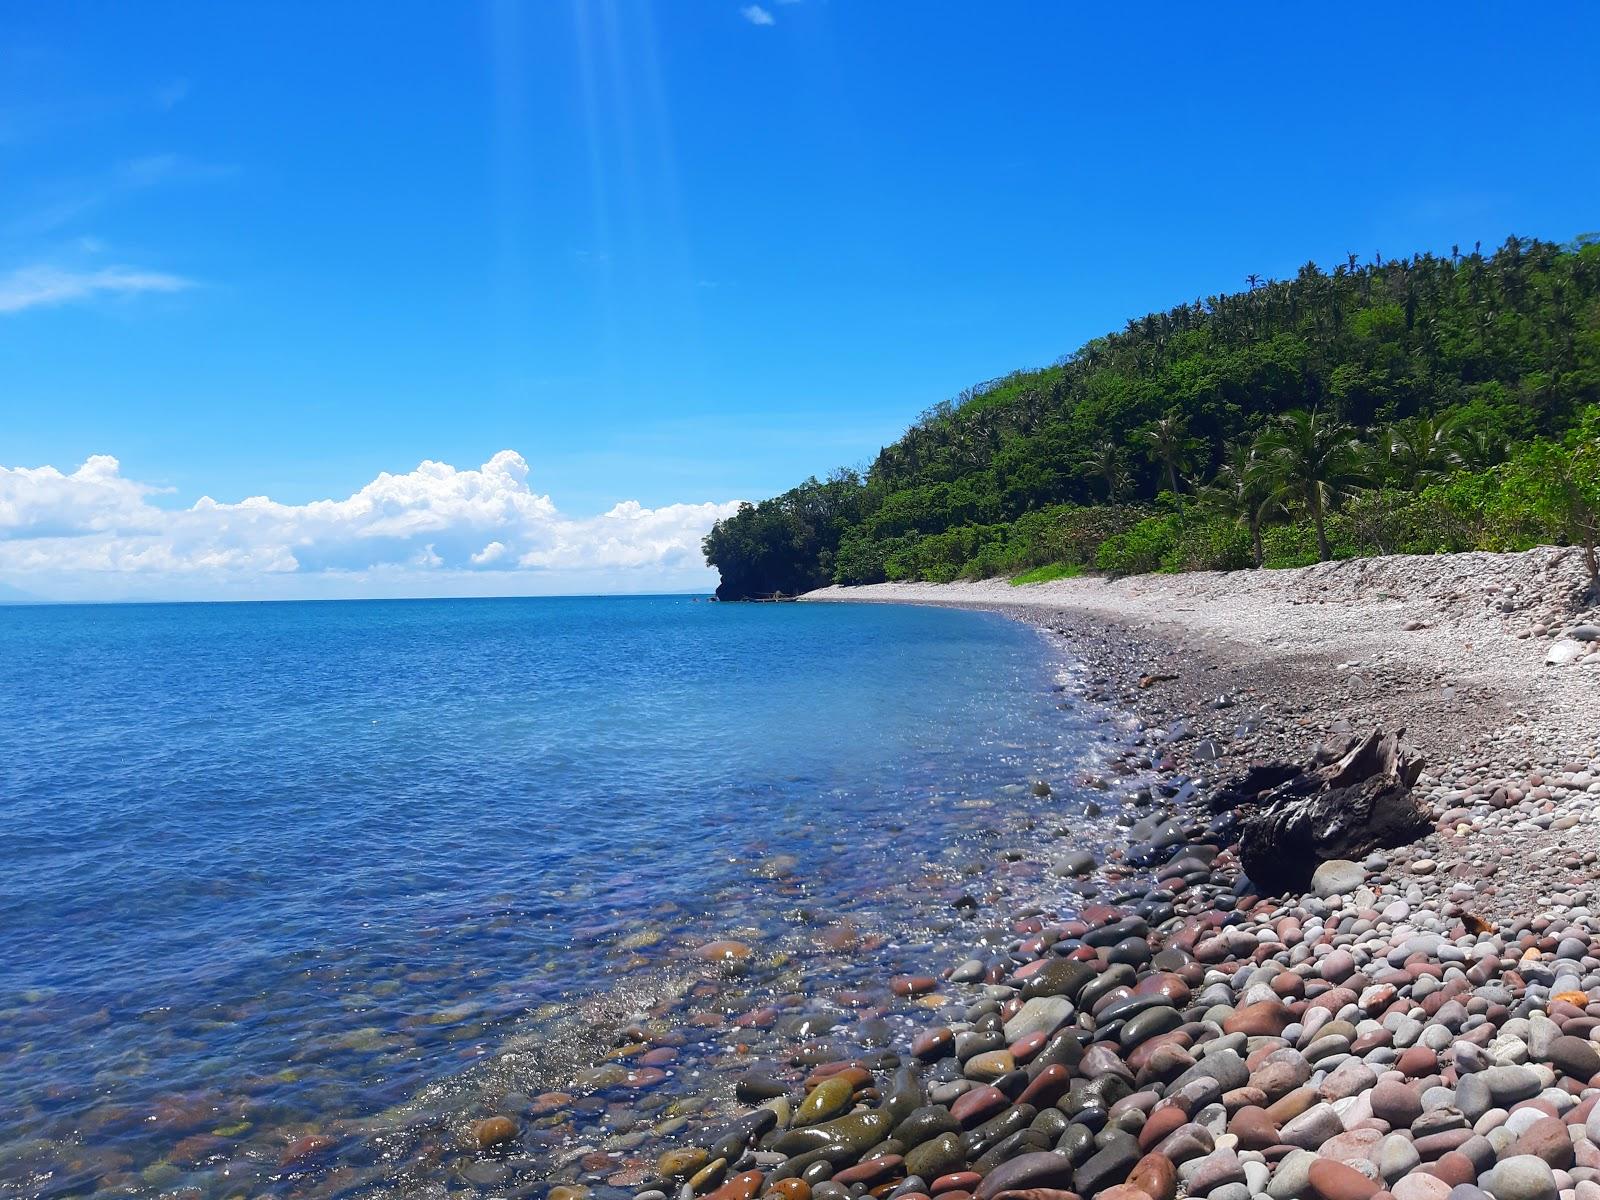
x,y
43,502
41,286
757,15
490,554
95,534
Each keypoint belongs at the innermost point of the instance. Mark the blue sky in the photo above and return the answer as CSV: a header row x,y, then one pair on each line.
x,y
684,253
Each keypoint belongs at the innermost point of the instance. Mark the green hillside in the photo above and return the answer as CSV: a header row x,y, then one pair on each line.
x,y
1414,405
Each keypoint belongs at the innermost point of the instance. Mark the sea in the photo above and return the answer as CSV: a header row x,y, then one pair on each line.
x,y
294,894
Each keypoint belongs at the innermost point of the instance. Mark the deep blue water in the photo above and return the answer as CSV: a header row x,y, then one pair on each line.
x,y
268,865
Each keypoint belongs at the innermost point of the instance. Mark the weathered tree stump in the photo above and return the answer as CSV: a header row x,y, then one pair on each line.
x,y
1352,798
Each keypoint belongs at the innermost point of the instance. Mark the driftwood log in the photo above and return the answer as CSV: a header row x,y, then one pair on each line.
x,y
1352,798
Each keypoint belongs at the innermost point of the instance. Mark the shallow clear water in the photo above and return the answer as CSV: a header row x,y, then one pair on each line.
x,y
272,869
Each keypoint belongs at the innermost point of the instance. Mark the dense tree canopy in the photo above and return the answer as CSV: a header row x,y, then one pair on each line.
x,y
1300,393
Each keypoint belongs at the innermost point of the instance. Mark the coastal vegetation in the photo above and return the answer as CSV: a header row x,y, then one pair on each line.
x,y
1047,573
1425,405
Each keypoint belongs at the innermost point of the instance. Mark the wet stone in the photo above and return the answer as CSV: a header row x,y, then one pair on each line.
x,y
936,1156
681,1163
1045,1169
1148,1024
494,1131
758,1084
1109,1165
1059,977
827,1100
1042,1014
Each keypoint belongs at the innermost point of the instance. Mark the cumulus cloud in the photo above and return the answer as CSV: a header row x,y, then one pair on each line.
x,y
757,15
42,286
94,533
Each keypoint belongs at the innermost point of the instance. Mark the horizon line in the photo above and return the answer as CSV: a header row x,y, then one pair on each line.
x,y
12,603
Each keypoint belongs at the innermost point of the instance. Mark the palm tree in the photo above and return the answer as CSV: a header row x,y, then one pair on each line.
x,y
1474,448
1105,462
1242,490
1418,451
1169,443
1314,459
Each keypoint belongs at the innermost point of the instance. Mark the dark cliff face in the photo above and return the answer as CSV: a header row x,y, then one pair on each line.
x,y
770,549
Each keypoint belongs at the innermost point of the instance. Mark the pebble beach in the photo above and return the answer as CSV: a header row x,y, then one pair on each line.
x,y
1129,1017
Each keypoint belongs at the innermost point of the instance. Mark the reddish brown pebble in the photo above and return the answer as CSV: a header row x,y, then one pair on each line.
x,y
493,1132
1281,1112
1155,1175
978,1105
1254,1129
1048,1086
1025,1048
740,1187
1454,1168
1417,1061
1265,1018
724,951
1163,1120
551,1101
1165,984
305,1147
1331,1180
1546,1138
871,1171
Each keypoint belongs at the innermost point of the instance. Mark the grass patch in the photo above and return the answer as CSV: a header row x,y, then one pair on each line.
x,y
1047,573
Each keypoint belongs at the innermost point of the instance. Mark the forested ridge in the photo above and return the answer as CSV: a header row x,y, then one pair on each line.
x,y
1440,402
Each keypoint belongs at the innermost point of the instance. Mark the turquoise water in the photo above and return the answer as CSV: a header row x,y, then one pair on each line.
x,y
272,869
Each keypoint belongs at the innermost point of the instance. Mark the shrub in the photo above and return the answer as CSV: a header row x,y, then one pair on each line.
x,y
1048,573
1555,487
861,559
1210,544
1141,549
1457,515
1080,531
1295,544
